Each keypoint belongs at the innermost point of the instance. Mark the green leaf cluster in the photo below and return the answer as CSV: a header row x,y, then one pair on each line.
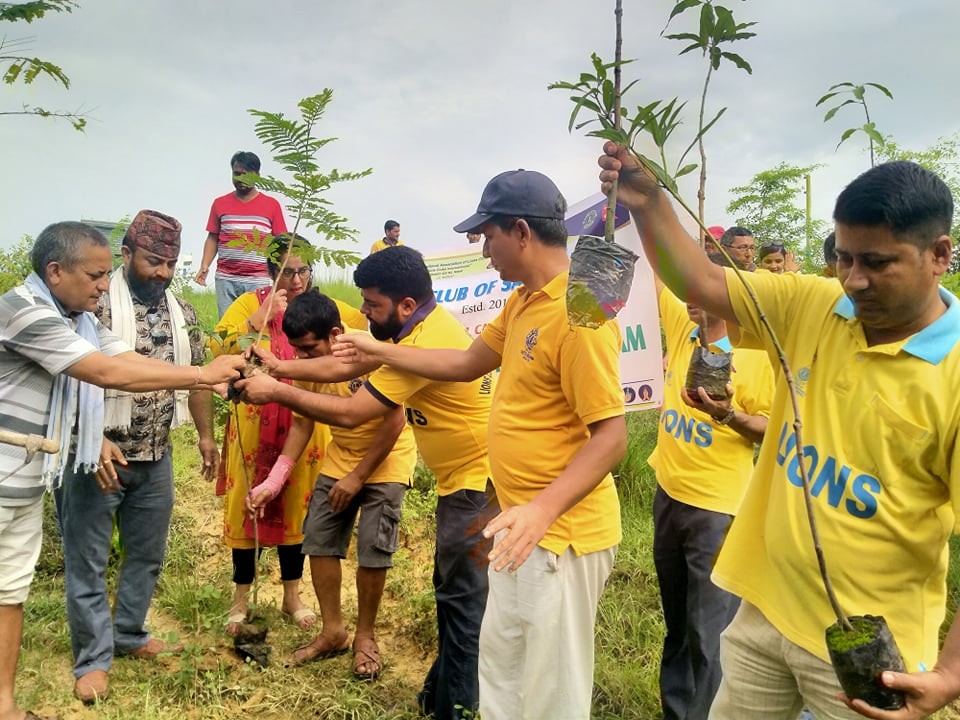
x,y
716,28
295,147
857,96
18,67
769,205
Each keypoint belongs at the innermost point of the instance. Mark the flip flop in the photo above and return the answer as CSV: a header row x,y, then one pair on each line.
x,y
304,618
312,651
367,654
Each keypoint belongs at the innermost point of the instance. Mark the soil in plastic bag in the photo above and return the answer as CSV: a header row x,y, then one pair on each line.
x,y
860,656
250,642
601,274
708,370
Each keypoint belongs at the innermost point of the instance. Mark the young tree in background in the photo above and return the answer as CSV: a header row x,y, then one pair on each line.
x,y
24,68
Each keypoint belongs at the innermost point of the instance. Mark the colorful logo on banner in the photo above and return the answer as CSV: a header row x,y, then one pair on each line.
x,y
466,284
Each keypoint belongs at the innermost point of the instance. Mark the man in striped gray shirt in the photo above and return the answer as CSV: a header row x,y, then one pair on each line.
x,y
55,358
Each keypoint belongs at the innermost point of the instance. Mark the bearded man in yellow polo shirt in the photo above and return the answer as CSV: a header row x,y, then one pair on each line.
x,y
449,421
703,460
556,432
875,357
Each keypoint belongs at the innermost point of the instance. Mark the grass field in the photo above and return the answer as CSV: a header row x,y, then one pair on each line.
x,y
208,681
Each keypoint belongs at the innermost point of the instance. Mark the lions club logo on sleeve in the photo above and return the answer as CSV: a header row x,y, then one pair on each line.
x,y
529,343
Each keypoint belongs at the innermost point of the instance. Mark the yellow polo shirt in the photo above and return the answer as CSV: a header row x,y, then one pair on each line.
x,y
382,245
554,381
449,419
880,432
348,445
697,461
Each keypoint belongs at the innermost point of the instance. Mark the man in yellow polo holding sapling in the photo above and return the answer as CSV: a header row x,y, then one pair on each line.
x,y
875,356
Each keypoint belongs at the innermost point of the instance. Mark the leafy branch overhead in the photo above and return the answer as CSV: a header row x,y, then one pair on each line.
x,y
24,68
857,96
295,148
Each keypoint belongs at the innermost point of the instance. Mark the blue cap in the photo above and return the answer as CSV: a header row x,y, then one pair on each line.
x,y
517,193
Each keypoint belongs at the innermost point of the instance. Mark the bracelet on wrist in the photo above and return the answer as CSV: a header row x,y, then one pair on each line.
x,y
197,381
725,420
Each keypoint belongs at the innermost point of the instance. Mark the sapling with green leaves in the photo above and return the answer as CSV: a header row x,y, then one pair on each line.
x,y
716,30
857,96
659,121
294,147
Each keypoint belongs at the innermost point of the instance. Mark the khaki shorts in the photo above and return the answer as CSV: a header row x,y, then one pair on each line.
x,y
21,530
327,533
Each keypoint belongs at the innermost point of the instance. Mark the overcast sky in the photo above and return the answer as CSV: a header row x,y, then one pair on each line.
x,y
437,96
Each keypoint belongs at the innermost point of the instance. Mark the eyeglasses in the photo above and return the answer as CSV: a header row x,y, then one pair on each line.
x,y
305,272
743,248
157,334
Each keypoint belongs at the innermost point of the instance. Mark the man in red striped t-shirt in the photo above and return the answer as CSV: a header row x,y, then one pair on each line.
x,y
245,214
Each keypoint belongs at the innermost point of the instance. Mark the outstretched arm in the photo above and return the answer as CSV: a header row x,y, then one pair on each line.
x,y
133,372
435,364
672,253
345,412
324,369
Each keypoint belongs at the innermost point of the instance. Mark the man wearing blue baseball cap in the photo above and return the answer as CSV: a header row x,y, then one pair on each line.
x,y
556,431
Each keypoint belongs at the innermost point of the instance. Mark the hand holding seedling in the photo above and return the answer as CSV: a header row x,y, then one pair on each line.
x,y
357,347
636,185
106,475
343,492
925,693
261,317
258,389
264,358
525,527
717,409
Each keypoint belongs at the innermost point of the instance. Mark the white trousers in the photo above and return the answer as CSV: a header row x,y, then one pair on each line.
x,y
536,640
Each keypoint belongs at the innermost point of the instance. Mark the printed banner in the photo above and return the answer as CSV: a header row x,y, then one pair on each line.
x,y
469,288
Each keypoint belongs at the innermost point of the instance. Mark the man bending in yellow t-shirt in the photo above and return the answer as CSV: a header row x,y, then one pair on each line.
x,y
875,357
366,469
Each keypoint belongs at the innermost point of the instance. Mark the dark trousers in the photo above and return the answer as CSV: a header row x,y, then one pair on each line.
x,y
460,587
244,563
685,546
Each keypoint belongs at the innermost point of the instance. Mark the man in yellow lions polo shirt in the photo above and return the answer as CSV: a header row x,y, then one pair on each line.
x,y
703,460
877,361
556,432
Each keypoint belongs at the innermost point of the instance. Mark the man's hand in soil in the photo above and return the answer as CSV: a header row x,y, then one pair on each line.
x,y
356,347
106,474
344,491
926,692
525,526
258,389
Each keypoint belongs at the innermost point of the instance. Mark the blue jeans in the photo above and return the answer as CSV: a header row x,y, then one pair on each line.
x,y
460,586
230,290
142,506
685,544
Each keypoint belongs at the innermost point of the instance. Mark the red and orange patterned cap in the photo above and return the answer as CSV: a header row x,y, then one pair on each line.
x,y
154,232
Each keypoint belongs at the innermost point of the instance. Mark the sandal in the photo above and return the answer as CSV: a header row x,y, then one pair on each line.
x,y
319,648
366,653
304,618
